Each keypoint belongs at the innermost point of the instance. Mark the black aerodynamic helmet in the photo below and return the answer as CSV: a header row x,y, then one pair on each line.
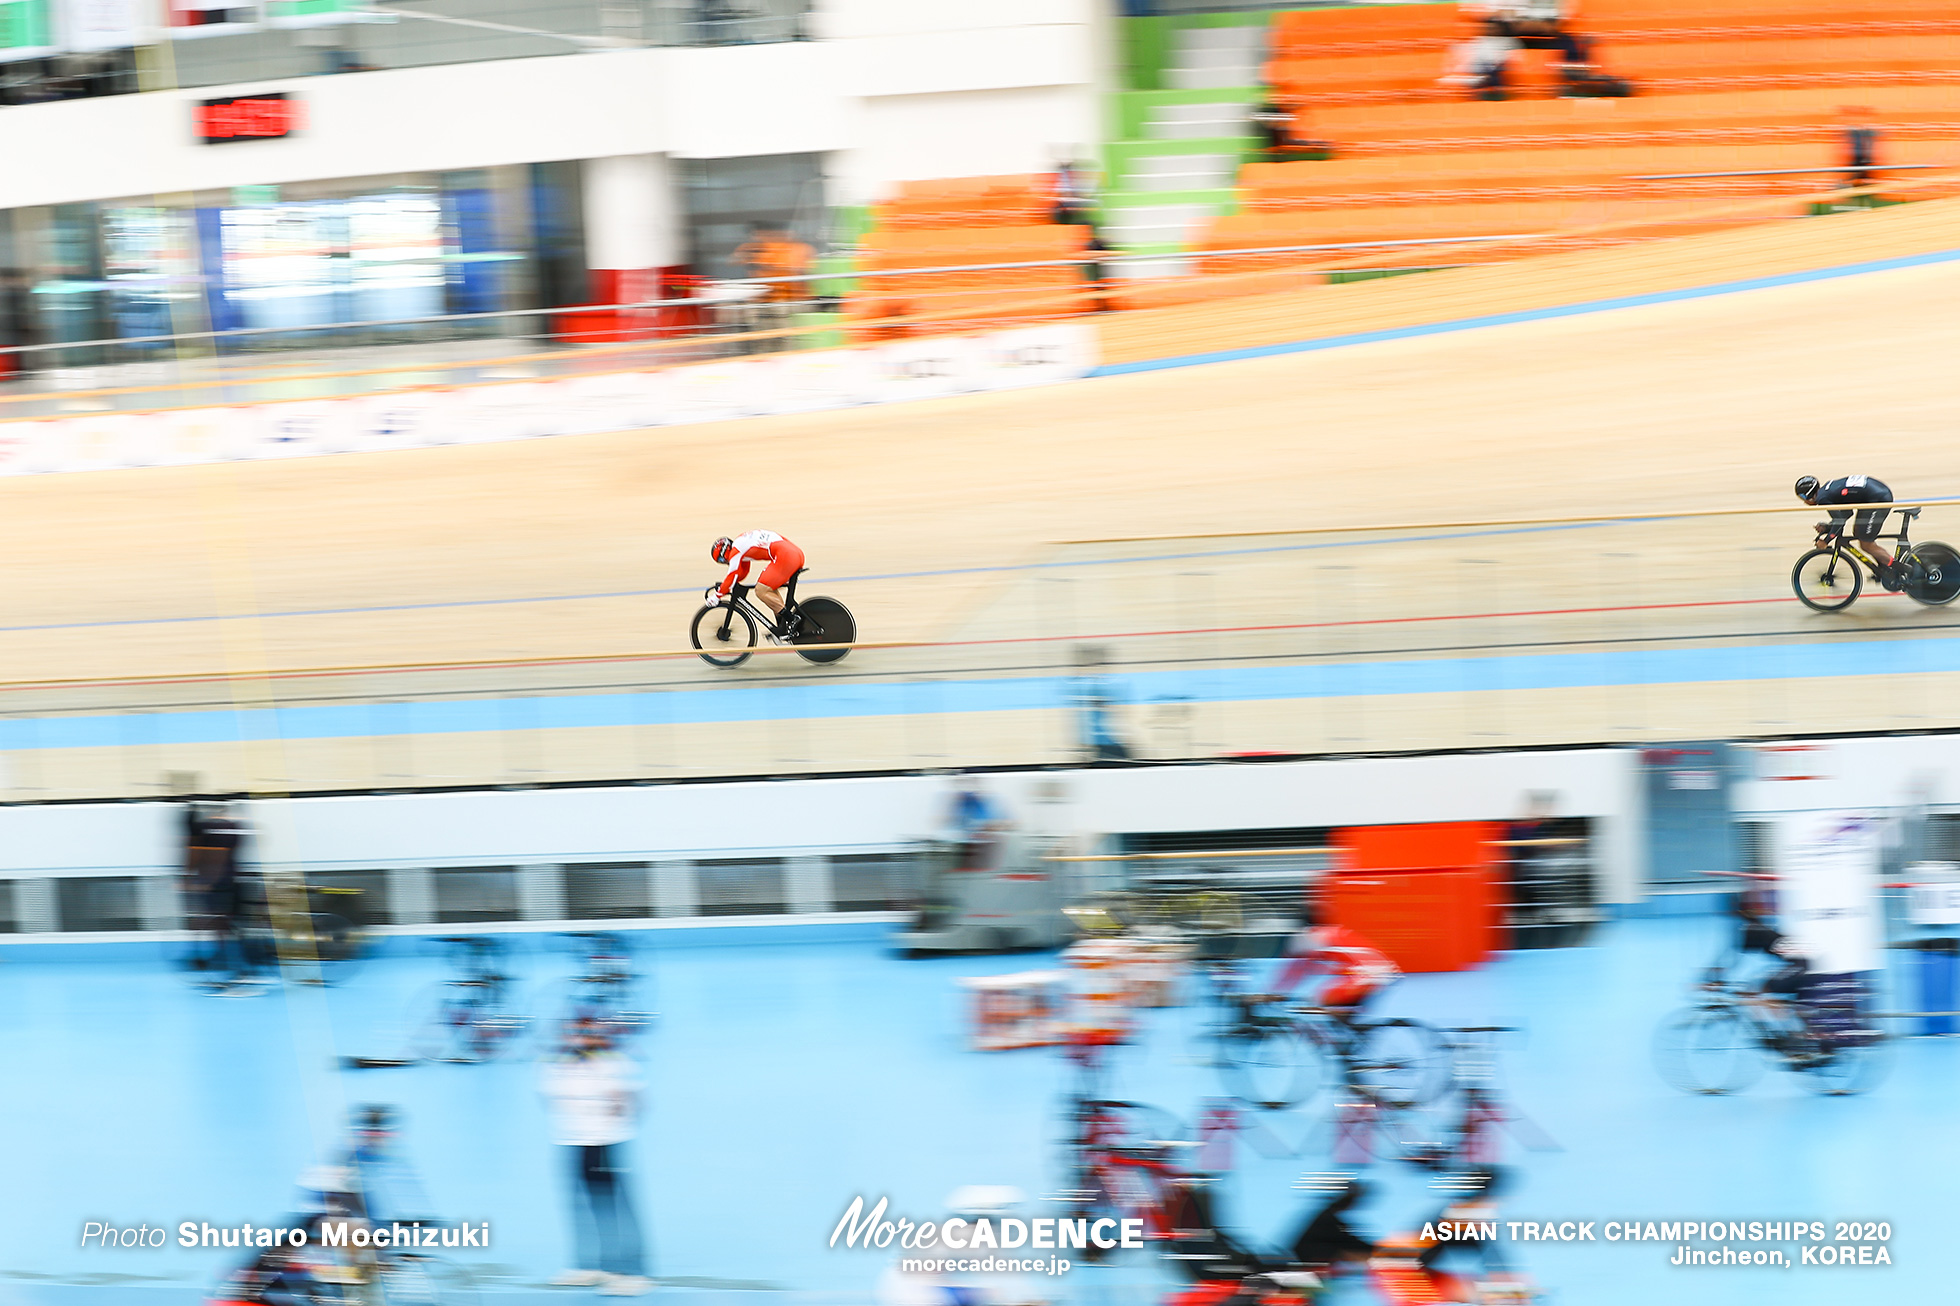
x,y
1806,488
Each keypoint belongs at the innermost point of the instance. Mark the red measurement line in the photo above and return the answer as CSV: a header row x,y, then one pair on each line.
x,y
668,654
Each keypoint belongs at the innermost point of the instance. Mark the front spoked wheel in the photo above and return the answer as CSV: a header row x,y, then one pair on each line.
x,y
1826,580
825,621
724,633
1402,1060
1708,1050
1932,573
1271,1067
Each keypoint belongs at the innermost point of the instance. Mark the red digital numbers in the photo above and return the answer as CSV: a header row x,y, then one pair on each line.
x,y
253,117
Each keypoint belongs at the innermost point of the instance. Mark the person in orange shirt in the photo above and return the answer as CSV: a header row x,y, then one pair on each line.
x,y
769,255
772,253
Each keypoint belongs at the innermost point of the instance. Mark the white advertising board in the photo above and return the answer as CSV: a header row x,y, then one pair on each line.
x,y
753,386
1829,889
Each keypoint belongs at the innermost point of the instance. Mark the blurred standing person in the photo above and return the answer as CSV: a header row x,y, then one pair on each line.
x,y
1480,65
16,320
1075,195
1095,697
214,839
593,1096
1533,893
973,823
385,1183
201,908
1860,148
770,255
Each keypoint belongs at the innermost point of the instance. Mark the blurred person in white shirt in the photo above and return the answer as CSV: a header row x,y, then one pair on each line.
x,y
593,1096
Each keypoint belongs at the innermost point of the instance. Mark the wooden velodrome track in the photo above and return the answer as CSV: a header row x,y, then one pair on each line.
x,y
589,546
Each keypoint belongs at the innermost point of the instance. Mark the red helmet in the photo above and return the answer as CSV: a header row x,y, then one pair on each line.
x,y
723,550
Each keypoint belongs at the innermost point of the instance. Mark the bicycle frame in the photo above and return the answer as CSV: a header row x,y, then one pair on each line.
x,y
765,621
1844,542
1722,995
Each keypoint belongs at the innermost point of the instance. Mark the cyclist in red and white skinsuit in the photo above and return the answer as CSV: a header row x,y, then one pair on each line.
x,y
780,561
1355,970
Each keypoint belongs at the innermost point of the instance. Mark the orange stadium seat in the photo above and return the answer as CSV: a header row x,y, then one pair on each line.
x,y
1751,87
1021,200
1782,114
1650,170
1386,30
974,291
1697,65
1442,222
1681,20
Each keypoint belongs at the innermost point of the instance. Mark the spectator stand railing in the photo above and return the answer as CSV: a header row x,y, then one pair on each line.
x,y
632,342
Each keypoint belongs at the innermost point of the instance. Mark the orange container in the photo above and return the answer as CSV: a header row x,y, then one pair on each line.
x,y
1427,896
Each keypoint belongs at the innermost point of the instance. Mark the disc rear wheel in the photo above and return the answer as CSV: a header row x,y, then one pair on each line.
x,y
825,621
1933,576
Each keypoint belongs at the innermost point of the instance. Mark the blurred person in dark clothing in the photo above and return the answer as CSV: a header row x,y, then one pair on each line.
x,y
1328,1240
1534,890
1474,1202
1095,271
1539,25
1481,65
222,901
16,319
1756,934
1275,126
1075,195
1860,145
1868,521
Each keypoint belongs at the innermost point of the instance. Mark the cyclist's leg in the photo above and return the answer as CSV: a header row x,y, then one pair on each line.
x,y
785,560
1870,522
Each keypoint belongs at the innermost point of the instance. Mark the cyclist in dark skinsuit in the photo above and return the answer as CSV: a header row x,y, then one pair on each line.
x,y
1856,489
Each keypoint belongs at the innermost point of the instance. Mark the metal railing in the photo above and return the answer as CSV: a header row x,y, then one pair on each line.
x,y
382,36
716,323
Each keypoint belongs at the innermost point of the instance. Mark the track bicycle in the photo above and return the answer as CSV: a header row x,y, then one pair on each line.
x,y
607,992
726,628
1830,577
240,952
1470,1120
1129,1161
1721,1043
314,1276
1370,1125
470,1017
1272,1055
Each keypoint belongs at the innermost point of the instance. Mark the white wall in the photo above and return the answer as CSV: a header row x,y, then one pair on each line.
x,y
1891,772
811,96
781,818
906,137
632,213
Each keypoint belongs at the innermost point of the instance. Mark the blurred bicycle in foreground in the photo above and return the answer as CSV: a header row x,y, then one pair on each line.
x,y
1722,1043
